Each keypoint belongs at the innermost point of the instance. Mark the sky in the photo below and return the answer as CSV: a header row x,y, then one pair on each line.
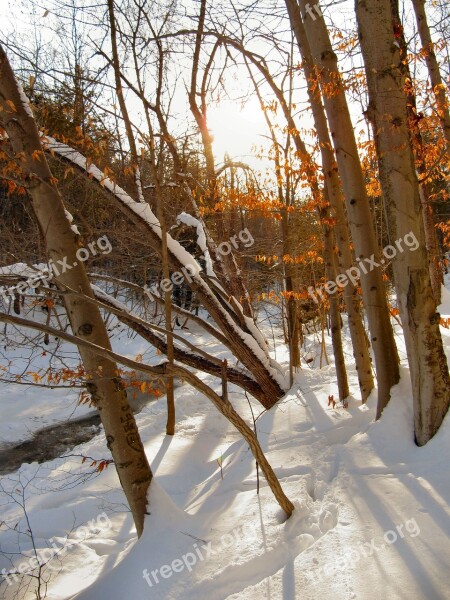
x,y
237,128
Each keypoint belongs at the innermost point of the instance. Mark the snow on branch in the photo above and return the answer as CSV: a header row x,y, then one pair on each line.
x,y
142,209
24,100
191,221
144,212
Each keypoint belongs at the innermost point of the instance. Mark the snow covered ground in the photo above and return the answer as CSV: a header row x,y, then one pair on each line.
x,y
371,520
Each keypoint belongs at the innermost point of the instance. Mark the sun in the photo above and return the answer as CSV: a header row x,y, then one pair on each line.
x,y
235,130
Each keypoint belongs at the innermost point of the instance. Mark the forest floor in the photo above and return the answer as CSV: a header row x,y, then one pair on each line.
x,y
372,515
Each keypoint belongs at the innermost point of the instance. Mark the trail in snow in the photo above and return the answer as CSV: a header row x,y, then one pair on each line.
x,y
356,485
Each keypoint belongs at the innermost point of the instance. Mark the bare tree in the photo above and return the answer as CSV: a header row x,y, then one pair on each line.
x,y
105,386
388,105
337,202
358,208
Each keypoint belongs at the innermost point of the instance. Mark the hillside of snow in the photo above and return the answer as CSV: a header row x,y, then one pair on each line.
x,y
372,515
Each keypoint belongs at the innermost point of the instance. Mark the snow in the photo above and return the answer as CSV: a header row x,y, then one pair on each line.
x,y
23,270
351,493
276,372
140,208
74,228
139,185
34,275
256,333
201,239
24,100
444,308
371,518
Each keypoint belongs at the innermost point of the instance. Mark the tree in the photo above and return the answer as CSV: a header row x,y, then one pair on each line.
x,y
439,88
214,289
105,386
358,208
170,426
427,176
388,106
336,198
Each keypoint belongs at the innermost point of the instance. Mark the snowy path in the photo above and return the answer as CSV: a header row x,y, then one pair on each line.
x,y
351,489
371,520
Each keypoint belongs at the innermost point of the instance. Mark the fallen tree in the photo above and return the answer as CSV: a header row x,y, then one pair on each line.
x,y
243,337
222,403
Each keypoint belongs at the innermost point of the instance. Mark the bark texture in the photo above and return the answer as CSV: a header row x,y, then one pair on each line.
x,y
62,243
386,83
427,187
358,208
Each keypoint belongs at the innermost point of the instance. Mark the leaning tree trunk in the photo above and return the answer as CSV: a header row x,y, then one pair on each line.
x,y
245,342
62,243
166,369
388,105
358,209
439,87
336,198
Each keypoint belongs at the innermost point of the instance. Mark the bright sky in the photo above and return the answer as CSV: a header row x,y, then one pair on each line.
x,y
236,130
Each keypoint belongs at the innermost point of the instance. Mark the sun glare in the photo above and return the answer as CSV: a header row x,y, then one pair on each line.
x,y
235,130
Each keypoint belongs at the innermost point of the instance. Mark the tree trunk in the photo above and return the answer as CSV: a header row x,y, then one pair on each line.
x,y
439,87
62,243
222,403
432,242
336,198
293,324
427,189
228,261
170,388
335,315
357,202
122,103
246,342
388,105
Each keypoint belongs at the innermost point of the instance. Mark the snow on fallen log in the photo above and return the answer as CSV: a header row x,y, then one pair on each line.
x,y
191,221
142,209
144,212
